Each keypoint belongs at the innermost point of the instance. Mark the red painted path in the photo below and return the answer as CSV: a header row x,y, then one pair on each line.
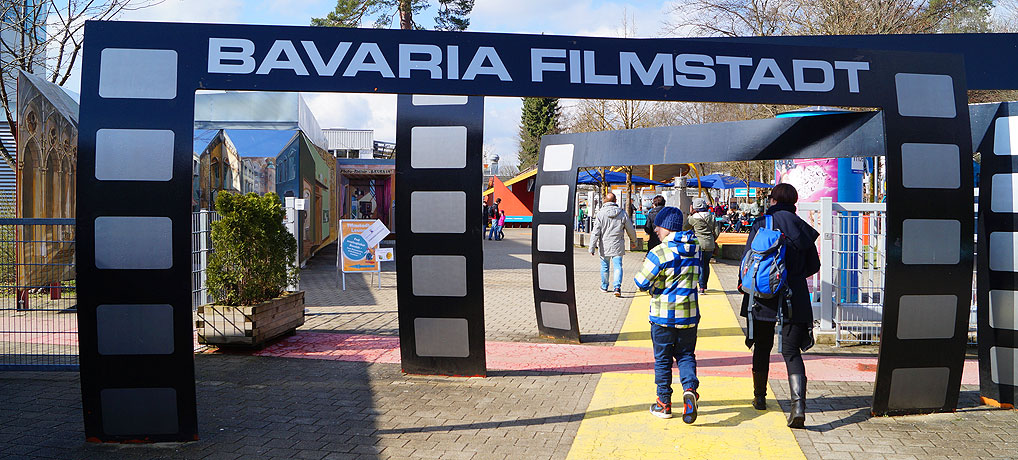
x,y
547,357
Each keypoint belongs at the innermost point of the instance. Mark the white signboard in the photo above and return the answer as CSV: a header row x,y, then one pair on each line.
x,y
384,254
375,233
299,203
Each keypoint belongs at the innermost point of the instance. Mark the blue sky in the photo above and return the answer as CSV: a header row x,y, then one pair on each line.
x,y
378,112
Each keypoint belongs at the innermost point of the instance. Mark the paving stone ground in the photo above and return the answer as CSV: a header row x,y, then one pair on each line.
x,y
268,407
257,407
839,425
509,313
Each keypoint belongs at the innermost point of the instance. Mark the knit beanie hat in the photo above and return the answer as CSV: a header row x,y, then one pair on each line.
x,y
670,218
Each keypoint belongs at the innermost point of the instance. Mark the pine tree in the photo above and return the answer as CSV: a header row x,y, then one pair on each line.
x,y
540,116
452,14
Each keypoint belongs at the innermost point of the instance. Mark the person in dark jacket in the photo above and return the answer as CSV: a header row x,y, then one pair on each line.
x,y
652,239
801,262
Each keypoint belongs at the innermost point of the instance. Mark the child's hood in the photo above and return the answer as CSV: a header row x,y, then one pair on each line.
x,y
684,243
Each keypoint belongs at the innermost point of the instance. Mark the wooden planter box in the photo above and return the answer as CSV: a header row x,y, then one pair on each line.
x,y
250,325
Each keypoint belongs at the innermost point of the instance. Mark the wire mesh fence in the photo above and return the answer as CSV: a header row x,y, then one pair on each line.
x,y
201,247
38,295
859,263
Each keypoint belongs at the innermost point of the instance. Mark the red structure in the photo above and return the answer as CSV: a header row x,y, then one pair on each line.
x,y
517,196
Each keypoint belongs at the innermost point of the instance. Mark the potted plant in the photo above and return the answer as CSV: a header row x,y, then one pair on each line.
x,y
249,268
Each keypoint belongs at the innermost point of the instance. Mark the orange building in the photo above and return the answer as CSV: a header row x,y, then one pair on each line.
x,y
517,196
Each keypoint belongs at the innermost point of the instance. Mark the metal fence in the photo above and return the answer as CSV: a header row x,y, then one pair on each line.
x,y
848,293
38,296
201,246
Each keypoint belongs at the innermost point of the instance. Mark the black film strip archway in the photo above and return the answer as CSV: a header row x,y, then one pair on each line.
x,y
925,324
995,131
137,108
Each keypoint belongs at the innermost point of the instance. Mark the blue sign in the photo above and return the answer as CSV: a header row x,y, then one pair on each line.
x,y
355,247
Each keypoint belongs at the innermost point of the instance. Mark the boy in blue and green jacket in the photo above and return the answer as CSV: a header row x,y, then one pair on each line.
x,y
671,272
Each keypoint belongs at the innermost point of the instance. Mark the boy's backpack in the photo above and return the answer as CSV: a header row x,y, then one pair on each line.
x,y
763,267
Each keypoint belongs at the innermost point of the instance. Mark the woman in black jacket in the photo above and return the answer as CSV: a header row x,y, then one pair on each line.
x,y
801,262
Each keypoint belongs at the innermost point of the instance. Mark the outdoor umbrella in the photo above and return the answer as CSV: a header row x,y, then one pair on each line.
x,y
593,177
721,181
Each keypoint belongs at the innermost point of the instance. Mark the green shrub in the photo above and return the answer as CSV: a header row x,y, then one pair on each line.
x,y
252,257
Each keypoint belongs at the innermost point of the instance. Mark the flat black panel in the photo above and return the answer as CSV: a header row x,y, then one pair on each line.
x,y
919,203
989,222
172,286
467,244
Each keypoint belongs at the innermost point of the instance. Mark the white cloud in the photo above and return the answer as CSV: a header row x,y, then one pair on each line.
x,y
189,11
356,111
564,17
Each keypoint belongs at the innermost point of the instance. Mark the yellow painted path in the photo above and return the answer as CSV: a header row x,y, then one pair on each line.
x,y
618,423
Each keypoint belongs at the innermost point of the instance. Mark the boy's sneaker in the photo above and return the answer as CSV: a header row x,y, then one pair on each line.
x,y
689,399
604,289
618,292
661,410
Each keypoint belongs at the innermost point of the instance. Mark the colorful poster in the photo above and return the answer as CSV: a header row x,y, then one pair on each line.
x,y
356,254
812,178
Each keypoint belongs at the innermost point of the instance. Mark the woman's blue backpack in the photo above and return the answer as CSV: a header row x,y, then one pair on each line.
x,y
763,266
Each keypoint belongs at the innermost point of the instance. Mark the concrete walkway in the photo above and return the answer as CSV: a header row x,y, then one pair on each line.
x,y
335,391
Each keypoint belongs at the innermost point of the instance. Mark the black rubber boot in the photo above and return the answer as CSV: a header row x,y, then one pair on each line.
x,y
760,390
797,414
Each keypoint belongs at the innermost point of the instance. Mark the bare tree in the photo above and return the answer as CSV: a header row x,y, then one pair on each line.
x,y
45,37
827,17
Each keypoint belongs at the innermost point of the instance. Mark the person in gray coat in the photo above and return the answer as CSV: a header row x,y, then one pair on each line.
x,y
702,222
607,234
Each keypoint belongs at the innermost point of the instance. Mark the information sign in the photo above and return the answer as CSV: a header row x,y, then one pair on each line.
x,y
355,253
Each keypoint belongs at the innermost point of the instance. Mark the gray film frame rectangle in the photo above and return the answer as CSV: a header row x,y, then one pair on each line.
x,y
555,315
931,241
442,337
438,147
133,243
134,154
127,73
439,275
139,411
916,171
925,95
918,387
1004,365
135,329
438,212
927,316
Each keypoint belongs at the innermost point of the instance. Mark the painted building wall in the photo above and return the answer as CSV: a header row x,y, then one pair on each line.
x,y
303,170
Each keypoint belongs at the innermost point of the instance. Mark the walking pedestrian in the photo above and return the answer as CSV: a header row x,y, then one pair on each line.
x,y
493,214
484,218
499,235
701,221
670,273
793,308
652,239
608,235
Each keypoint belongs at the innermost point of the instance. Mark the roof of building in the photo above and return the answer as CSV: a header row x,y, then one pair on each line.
x,y
249,142
521,176
55,95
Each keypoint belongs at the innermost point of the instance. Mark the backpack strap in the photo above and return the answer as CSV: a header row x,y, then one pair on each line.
x,y
769,221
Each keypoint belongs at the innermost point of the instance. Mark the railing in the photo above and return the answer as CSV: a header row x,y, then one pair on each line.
x,y
201,246
38,317
848,293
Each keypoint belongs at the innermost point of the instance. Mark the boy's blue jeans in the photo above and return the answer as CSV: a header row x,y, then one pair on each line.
x,y
678,344
616,262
